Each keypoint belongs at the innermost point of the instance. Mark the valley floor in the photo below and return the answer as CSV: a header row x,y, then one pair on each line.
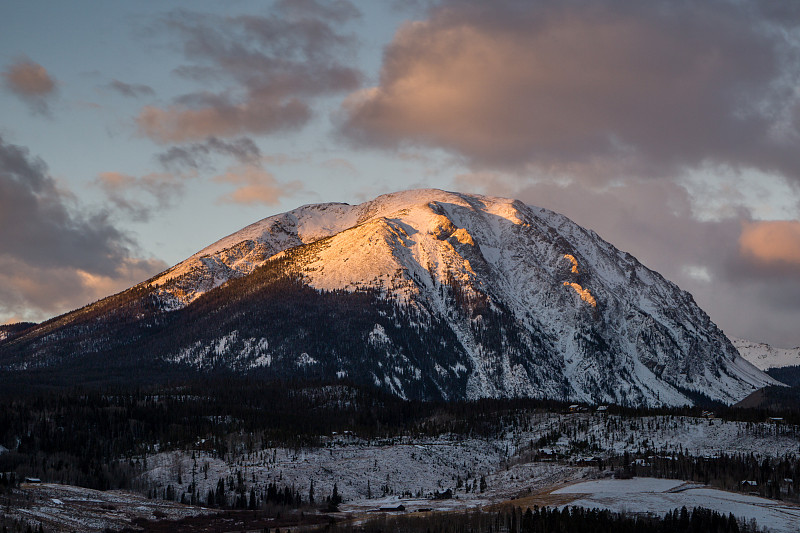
x,y
444,473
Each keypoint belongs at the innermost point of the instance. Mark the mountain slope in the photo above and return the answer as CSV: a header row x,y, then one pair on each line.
x,y
425,293
764,356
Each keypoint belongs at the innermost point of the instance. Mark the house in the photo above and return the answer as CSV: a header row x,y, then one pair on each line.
x,y
32,480
393,508
602,408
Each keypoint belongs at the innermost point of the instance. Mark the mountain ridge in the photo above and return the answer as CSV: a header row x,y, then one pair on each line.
x,y
765,356
510,300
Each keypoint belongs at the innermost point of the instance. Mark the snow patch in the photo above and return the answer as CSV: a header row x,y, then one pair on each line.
x,y
305,360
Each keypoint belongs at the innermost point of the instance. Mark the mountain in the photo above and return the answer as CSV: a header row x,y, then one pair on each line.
x,y
427,294
10,330
764,356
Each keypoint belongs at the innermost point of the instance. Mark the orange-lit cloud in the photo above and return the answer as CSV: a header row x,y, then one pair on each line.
x,y
255,185
274,67
29,79
35,292
180,123
55,257
125,191
31,82
582,87
775,242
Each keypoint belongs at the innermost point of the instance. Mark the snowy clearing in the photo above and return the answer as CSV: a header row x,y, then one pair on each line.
x,y
658,496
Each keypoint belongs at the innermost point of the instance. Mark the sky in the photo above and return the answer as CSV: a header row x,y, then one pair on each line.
x,y
133,134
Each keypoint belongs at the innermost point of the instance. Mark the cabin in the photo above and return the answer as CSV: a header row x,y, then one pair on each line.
x,y
589,461
393,508
32,480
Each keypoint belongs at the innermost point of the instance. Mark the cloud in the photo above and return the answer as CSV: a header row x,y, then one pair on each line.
x,y
772,243
273,67
131,90
340,11
32,83
255,186
55,255
137,198
220,116
197,155
593,90
31,292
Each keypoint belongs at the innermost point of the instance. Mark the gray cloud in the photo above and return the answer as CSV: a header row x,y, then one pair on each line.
x,y
594,90
44,242
131,90
340,11
32,83
198,155
274,66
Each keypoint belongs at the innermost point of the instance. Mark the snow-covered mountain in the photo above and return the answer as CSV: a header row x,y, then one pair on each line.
x,y
425,293
764,356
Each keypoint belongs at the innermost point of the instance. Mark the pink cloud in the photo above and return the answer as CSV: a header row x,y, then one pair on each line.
x,y
586,89
774,242
29,79
180,123
255,185
31,82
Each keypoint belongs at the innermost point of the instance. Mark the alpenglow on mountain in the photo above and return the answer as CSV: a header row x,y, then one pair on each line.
x,y
425,294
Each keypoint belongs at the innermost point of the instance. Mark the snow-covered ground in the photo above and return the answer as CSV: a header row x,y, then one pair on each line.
x,y
67,508
658,496
695,436
374,474
364,470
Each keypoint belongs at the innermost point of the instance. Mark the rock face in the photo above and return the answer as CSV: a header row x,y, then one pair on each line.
x,y
426,293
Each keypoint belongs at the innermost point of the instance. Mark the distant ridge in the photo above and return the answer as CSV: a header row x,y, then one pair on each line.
x,y
764,356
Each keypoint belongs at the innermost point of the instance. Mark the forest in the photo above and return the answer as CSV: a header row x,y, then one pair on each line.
x,y
100,437
547,520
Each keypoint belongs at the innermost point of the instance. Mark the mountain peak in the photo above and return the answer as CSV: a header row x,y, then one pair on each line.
x,y
442,295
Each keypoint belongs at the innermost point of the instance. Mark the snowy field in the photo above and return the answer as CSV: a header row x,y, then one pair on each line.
x,y
658,496
694,436
364,472
65,508
420,467
374,474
